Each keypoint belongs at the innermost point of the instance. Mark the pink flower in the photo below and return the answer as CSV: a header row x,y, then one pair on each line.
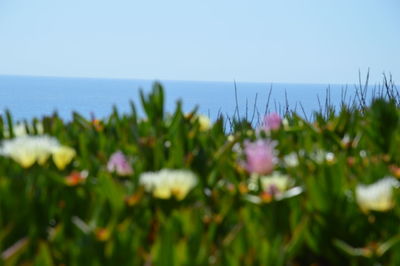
x,y
272,121
119,164
260,156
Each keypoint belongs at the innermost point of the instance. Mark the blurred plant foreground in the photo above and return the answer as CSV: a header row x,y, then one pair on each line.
x,y
178,189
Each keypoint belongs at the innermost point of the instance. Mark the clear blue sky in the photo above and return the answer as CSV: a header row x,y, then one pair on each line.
x,y
321,41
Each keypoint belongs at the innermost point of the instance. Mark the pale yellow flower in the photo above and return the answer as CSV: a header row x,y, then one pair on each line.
x,y
167,183
62,156
285,124
24,157
276,182
377,196
281,182
275,186
162,191
205,122
42,157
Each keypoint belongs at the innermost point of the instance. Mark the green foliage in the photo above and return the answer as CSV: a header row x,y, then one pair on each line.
x,y
50,216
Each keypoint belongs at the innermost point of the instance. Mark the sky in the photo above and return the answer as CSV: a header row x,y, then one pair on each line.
x,y
296,41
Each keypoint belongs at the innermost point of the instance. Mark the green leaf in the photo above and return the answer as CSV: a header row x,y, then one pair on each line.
x,y
165,255
44,256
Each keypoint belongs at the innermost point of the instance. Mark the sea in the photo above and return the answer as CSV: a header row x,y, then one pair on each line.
x,y
34,97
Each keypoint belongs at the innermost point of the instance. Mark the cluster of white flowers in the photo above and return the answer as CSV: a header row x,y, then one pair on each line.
x,y
377,196
318,155
27,150
321,156
167,183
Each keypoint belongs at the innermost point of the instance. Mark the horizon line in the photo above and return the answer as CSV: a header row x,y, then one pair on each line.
x,y
179,80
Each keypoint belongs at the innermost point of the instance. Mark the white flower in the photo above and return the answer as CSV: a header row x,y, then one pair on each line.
x,y
346,140
377,196
330,157
275,186
291,160
167,183
363,154
276,183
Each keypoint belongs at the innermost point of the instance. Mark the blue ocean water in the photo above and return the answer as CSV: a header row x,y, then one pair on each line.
x,y
29,97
